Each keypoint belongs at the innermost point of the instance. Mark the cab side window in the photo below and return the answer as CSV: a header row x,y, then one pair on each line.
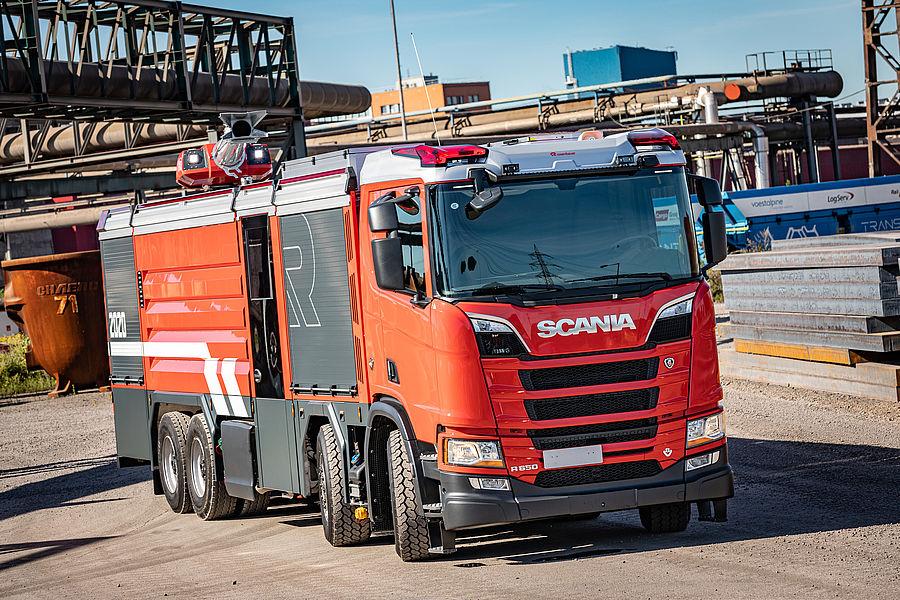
x,y
410,217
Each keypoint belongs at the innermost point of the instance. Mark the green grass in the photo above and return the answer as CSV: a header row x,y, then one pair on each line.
x,y
15,378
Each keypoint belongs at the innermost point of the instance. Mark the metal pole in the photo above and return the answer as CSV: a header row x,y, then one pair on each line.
x,y
399,74
835,149
812,160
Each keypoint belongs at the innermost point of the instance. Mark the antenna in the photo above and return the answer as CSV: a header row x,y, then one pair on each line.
x,y
425,84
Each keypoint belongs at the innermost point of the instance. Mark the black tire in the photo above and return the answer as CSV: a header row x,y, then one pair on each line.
x,y
257,506
410,525
338,521
208,495
666,518
171,450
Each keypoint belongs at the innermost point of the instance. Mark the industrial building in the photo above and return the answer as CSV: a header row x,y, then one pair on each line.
x,y
424,93
617,63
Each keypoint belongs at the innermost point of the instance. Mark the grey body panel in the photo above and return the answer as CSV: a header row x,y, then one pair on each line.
x,y
276,445
120,285
131,415
318,300
238,452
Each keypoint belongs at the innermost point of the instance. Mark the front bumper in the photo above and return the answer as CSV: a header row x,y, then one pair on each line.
x,y
465,507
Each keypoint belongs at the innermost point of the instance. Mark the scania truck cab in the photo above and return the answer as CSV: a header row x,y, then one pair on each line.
x,y
431,339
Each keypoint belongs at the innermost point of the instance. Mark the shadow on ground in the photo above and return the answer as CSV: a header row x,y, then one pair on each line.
x,y
101,475
26,552
781,488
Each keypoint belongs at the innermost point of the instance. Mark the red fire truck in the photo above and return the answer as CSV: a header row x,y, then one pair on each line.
x,y
427,339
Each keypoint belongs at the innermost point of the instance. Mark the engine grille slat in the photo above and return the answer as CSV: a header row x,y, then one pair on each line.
x,y
555,438
592,404
590,374
598,474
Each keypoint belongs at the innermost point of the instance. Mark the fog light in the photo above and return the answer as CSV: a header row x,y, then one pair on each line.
x,y
704,460
489,483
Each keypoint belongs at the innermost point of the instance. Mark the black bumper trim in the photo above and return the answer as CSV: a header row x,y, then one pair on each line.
x,y
465,507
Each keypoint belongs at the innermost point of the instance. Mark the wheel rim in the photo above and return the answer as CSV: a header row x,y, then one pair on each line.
x,y
168,465
198,468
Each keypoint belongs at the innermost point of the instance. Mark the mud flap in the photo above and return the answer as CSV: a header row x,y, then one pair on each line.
x,y
132,426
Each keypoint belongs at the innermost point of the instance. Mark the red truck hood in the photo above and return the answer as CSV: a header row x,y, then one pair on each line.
x,y
555,330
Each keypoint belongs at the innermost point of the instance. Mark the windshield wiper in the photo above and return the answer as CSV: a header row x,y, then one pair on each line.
x,y
517,288
657,275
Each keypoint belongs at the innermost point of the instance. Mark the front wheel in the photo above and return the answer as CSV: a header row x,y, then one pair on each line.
x,y
410,526
666,518
340,524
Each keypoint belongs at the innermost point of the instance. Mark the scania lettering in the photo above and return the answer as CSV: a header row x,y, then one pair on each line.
x,y
426,340
585,325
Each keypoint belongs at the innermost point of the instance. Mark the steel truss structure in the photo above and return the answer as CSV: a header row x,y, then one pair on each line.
x,y
881,41
67,65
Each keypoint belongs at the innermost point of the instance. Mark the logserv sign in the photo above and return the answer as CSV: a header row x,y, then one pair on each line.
x,y
837,198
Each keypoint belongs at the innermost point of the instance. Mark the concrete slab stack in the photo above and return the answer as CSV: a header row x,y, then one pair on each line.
x,y
835,303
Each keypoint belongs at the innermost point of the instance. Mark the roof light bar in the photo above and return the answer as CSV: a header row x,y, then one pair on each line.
x,y
432,156
653,137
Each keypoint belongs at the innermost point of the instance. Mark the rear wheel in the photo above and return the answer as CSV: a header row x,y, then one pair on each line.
x,y
666,518
257,506
171,449
208,495
410,526
340,525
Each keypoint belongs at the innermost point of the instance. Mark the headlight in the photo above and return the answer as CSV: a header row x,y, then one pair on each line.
x,y
676,310
496,339
705,430
473,453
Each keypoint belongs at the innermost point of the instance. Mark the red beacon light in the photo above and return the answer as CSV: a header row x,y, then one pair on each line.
x,y
441,156
653,137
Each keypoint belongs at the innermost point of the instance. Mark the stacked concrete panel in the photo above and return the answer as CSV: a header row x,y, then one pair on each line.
x,y
803,303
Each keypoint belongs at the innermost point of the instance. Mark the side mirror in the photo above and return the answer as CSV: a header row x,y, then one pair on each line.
x,y
383,214
708,191
715,244
387,254
486,193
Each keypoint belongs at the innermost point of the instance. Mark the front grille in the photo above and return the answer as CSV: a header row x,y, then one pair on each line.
x,y
592,374
598,474
555,438
671,329
591,404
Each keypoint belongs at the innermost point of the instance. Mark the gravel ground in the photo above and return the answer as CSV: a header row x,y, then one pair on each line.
x,y
816,515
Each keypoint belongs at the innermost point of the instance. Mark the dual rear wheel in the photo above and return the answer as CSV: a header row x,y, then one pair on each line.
x,y
186,452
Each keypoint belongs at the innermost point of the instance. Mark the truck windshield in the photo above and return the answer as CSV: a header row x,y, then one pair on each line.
x,y
566,233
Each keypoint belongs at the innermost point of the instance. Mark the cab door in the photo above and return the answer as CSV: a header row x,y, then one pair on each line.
x,y
265,340
399,339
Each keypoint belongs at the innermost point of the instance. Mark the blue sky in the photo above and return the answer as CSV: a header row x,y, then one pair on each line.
x,y
517,45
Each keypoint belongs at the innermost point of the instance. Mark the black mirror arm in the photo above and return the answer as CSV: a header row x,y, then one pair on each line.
x,y
419,299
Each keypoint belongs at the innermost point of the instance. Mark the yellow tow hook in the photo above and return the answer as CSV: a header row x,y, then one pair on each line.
x,y
361,513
